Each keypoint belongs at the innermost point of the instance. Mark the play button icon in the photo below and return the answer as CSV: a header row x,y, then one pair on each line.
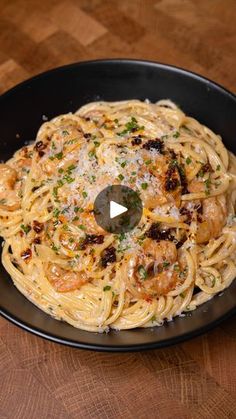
x,y
118,209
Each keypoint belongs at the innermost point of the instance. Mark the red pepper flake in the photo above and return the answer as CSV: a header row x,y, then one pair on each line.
x,y
148,299
157,145
37,226
39,147
37,240
108,256
91,239
26,255
136,140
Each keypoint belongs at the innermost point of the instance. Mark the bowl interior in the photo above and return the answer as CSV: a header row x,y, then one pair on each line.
x,y
24,108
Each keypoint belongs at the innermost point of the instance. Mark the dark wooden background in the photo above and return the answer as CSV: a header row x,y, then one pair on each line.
x,y
39,379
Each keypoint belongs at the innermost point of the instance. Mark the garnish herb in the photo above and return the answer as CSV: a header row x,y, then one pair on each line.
x,y
207,186
78,209
56,212
121,237
70,168
91,154
176,134
26,229
107,288
130,126
188,160
144,185
74,140
59,155
166,264
142,272
54,247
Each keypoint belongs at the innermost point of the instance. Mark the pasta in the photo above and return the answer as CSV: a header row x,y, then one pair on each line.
x,y
180,255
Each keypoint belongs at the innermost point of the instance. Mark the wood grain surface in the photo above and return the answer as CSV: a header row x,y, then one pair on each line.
x,y
39,379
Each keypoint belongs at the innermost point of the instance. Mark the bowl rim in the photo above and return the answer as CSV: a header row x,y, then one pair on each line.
x,y
130,347
176,69
115,348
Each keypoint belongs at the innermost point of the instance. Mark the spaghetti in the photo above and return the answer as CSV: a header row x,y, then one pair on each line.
x,y
180,255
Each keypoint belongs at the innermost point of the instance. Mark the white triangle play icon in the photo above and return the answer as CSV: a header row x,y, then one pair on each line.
x,y
116,209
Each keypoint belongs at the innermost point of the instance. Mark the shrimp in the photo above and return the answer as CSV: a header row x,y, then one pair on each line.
x,y
153,272
9,200
87,219
214,213
159,170
63,280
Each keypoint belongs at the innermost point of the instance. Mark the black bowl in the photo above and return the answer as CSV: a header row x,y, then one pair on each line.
x,y
65,89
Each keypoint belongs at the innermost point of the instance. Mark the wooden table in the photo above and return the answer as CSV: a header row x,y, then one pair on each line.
x,y
40,379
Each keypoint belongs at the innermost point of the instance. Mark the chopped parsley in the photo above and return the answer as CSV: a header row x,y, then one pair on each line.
x,y
142,272
92,179
65,132
176,134
207,186
59,155
78,209
84,194
121,237
147,162
70,168
72,141
121,177
107,288
56,212
165,264
144,185
218,167
96,143
176,268
68,178
55,192
188,160
54,247
26,229
130,126
92,154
